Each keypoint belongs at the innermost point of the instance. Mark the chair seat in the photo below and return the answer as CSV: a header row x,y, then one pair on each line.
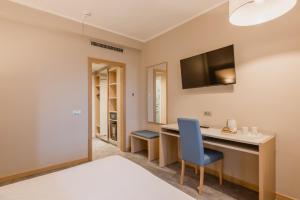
x,y
211,156
146,134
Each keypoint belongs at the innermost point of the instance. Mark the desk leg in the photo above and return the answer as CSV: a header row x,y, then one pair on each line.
x,y
168,150
267,170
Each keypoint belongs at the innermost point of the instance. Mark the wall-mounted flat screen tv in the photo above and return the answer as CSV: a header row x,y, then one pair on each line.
x,y
208,69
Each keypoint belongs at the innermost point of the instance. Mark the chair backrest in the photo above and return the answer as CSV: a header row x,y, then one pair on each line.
x,y
192,149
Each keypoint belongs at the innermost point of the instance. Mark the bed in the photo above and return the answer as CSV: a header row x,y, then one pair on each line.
x,y
111,178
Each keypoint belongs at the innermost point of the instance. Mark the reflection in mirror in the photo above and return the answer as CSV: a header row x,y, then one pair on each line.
x,y
157,93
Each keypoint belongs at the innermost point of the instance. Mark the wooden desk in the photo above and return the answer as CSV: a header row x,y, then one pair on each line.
x,y
262,146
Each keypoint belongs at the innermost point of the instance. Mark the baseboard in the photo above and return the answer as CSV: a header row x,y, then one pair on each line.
x,y
246,184
283,197
234,180
21,176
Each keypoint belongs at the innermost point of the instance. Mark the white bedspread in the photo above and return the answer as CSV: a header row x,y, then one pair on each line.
x,y
111,178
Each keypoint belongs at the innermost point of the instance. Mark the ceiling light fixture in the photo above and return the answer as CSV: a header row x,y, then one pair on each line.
x,y
252,12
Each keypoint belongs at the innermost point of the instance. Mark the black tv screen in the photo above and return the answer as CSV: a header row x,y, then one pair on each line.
x,y
212,68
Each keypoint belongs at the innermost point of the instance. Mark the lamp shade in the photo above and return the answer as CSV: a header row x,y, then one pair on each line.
x,y
252,12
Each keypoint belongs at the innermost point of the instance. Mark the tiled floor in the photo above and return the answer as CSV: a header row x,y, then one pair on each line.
x,y
212,191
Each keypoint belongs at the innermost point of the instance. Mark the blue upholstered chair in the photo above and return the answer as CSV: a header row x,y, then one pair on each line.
x,y
193,151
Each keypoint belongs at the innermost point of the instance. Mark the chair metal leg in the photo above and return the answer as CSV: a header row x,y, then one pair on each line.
x,y
182,171
201,186
220,163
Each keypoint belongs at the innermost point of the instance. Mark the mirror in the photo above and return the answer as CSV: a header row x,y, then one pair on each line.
x,y
157,93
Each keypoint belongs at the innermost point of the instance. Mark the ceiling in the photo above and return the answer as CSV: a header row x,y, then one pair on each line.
x,y
141,20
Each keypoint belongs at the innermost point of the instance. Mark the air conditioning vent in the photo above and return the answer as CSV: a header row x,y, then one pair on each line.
x,y
105,46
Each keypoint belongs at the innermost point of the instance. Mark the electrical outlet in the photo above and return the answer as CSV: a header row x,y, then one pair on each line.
x,y
207,113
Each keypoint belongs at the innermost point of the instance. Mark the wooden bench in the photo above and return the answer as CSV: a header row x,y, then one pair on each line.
x,y
142,140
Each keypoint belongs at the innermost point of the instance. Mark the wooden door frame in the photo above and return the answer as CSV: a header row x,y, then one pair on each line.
x,y
123,103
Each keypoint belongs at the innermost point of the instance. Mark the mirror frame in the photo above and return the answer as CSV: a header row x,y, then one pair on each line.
x,y
167,99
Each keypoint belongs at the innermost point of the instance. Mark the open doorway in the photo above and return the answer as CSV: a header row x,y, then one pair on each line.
x,y
106,104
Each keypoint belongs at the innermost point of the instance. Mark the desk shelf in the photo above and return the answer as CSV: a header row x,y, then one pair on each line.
x,y
171,133
242,147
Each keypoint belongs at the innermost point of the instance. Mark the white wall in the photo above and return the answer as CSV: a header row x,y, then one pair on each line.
x,y
43,78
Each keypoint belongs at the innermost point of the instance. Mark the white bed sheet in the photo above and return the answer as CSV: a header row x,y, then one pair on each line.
x,y
111,178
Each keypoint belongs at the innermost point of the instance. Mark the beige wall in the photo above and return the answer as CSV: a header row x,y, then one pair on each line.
x,y
266,95
43,78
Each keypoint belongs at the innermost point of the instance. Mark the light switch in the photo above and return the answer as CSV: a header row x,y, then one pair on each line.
x,y
76,112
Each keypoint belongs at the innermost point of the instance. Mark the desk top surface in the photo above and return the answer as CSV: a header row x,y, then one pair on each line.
x,y
238,137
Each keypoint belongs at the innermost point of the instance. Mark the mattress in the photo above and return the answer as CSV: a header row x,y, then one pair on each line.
x,y
111,178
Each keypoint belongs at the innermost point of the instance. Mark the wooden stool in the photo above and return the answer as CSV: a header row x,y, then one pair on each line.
x,y
141,140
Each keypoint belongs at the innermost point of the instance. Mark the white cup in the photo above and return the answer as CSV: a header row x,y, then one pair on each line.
x,y
245,130
254,130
